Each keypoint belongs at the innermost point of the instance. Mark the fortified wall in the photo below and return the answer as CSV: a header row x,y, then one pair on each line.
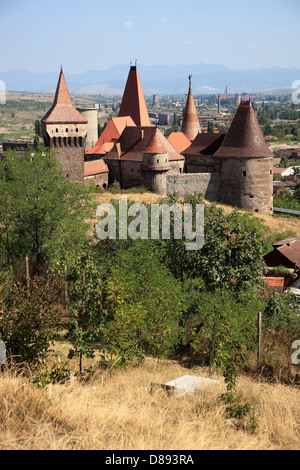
x,y
187,183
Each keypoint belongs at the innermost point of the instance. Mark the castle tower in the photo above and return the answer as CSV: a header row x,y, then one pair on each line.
x,y
133,102
190,124
246,164
64,131
90,113
156,165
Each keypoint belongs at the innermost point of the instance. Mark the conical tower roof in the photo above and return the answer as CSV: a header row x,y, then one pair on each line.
x,y
62,110
155,145
133,101
244,137
190,124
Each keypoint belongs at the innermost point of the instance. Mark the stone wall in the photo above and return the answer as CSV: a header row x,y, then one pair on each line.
x,y
247,183
205,183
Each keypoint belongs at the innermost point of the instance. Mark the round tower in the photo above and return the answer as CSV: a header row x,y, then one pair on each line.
x,y
91,115
156,165
246,164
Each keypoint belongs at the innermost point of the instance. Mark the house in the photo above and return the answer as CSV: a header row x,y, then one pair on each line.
x,y
285,253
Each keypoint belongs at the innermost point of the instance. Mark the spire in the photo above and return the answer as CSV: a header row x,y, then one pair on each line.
x,y
190,125
62,110
244,137
155,145
133,101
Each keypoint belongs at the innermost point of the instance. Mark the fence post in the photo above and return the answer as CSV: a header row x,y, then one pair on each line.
x,y
27,272
259,330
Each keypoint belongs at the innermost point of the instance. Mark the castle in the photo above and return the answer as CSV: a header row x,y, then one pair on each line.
x,y
234,169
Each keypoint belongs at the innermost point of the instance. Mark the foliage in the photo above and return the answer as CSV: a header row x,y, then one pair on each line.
x,y
144,304
224,329
30,320
287,200
231,255
87,316
43,213
58,373
281,327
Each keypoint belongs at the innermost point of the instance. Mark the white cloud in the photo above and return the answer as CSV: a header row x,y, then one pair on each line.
x,y
188,43
128,24
163,20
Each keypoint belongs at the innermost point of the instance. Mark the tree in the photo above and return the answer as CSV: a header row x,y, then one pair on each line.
x,y
144,303
43,213
210,127
87,316
38,127
29,320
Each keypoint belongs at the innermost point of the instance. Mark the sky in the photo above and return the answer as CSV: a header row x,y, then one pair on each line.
x,y
38,36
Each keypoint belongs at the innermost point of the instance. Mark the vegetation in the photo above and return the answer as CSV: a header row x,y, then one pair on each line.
x,y
120,303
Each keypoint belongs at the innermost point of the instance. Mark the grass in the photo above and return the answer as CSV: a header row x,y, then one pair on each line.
x,y
120,413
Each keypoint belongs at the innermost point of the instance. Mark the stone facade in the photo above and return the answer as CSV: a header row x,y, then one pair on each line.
x,y
67,142
205,183
247,183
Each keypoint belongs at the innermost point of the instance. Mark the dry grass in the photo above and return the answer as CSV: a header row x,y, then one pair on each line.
x,y
119,413
275,225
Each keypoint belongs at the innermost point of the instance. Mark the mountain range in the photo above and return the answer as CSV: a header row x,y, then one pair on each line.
x,y
158,79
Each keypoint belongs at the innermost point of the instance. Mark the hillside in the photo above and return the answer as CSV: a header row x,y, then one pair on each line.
x,y
119,413
275,225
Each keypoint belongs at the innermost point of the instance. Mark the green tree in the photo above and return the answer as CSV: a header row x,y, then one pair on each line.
x,y
38,127
210,127
144,303
29,320
43,213
87,316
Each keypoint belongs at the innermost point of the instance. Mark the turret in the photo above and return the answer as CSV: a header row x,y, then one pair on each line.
x,y
156,165
190,124
246,164
64,131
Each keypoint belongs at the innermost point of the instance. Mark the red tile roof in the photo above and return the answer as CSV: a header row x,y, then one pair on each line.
x,y
111,134
133,102
155,145
134,140
62,110
179,141
244,137
95,167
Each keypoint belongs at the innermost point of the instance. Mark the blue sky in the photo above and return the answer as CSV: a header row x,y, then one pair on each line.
x,y
83,35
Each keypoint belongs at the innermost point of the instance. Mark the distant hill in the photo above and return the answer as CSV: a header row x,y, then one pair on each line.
x,y
160,79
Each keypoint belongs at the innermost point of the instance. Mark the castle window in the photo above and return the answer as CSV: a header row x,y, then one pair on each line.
x,y
256,210
80,141
271,172
66,129
251,197
76,129
244,173
56,130
157,161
